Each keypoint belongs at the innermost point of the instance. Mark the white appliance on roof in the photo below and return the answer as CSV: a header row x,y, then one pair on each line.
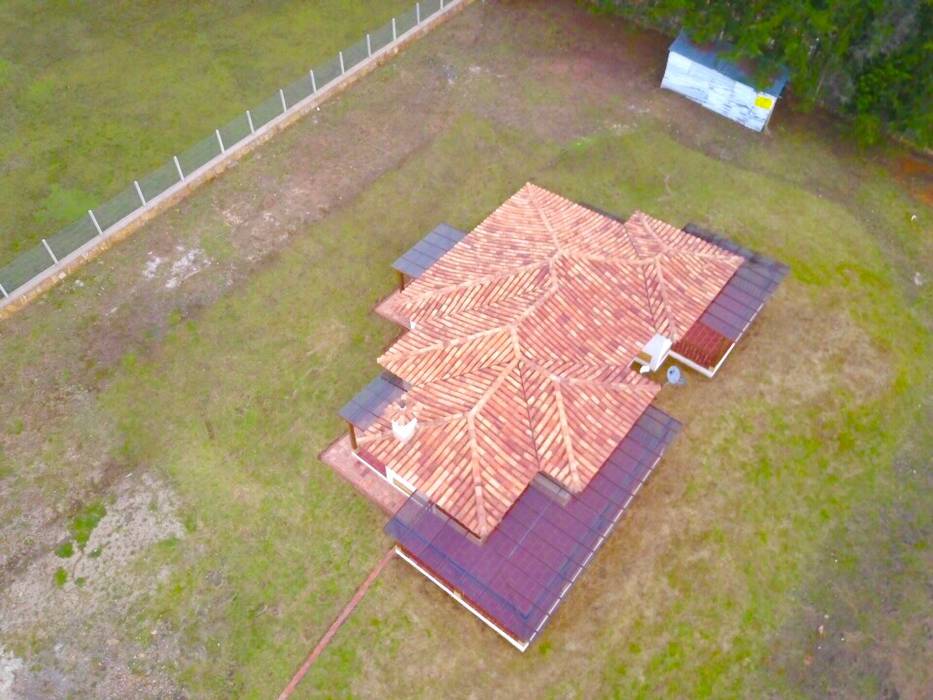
x,y
654,353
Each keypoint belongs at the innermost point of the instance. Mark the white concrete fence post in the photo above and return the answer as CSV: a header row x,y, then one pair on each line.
x,y
48,249
181,174
94,221
442,4
139,191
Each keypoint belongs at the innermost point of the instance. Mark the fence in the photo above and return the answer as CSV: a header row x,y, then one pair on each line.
x,y
44,261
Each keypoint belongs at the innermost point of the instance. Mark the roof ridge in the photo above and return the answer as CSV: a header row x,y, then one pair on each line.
x,y
443,291
629,225
440,344
479,495
532,197
665,301
494,386
577,481
527,406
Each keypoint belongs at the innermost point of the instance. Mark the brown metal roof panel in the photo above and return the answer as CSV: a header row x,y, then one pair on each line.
x,y
728,330
755,277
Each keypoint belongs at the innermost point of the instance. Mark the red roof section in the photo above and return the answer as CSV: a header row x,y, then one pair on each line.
x,y
521,342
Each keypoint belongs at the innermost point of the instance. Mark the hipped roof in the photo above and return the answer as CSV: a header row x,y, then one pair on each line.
x,y
521,343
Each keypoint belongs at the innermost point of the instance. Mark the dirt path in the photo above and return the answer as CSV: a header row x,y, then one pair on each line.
x,y
336,625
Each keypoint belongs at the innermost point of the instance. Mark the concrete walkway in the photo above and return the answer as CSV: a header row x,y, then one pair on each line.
x,y
388,309
339,456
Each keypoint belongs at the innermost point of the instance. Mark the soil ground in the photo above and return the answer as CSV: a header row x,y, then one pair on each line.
x,y
164,408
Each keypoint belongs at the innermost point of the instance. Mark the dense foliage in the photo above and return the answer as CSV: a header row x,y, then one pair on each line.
x,y
872,59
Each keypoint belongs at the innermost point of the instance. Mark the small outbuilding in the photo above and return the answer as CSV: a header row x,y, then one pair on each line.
x,y
727,87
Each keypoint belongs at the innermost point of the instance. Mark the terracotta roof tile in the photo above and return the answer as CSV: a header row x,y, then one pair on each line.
x,y
522,339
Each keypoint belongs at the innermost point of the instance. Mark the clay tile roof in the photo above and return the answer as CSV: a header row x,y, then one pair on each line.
x,y
522,340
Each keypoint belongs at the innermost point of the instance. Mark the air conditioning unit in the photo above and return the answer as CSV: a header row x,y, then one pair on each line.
x,y
654,353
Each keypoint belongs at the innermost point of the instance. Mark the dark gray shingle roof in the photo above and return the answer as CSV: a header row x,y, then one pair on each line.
x,y
367,406
428,250
523,570
736,306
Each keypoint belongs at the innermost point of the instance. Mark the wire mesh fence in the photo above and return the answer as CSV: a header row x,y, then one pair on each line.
x,y
327,73
408,20
173,174
354,54
117,208
298,90
156,182
235,130
72,237
382,37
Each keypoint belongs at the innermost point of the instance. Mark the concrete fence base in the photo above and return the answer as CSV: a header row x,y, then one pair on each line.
x,y
44,281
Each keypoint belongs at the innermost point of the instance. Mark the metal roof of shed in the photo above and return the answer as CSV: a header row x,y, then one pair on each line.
x,y
428,250
710,56
519,575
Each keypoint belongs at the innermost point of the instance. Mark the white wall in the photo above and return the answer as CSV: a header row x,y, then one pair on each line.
x,y
717,92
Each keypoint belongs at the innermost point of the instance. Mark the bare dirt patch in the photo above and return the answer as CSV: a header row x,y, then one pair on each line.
x,y
9,665
86,604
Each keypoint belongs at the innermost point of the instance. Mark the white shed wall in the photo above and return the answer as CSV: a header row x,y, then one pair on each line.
x,y
717,92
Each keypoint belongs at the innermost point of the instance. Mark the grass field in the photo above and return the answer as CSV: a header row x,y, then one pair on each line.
x,y
96,94
781,548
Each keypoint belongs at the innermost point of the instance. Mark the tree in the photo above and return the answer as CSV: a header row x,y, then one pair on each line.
x,y
868,58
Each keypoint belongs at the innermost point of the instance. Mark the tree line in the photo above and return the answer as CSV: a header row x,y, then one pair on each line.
x,y
870,59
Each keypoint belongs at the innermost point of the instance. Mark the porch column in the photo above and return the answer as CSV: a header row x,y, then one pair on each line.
x,y
353,442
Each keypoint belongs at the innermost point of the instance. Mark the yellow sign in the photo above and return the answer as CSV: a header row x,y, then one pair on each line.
x,y
764,102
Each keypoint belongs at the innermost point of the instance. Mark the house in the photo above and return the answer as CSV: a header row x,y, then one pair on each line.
x,y
515,411
700,73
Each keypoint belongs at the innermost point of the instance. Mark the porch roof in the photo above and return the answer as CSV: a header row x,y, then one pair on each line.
x,y
417,259
520,574
735,307
368,406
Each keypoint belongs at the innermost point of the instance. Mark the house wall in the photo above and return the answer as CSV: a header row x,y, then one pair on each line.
x,y
705,371
717,92
377,467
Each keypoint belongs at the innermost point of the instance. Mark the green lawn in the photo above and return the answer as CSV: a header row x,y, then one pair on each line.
x,y
93,95
796,495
